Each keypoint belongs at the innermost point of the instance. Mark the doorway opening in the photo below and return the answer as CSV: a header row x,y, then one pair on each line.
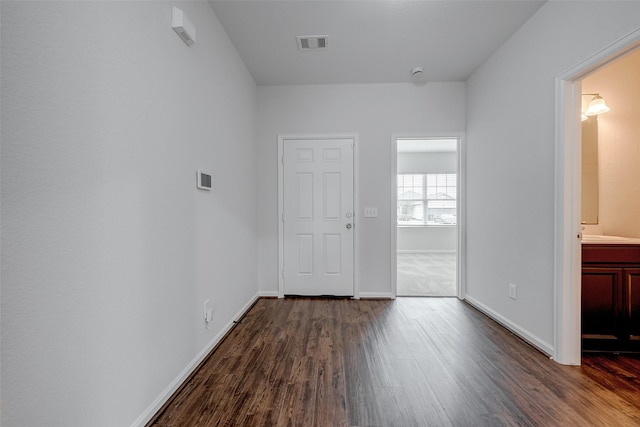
x,y
426,202
611,182
568,236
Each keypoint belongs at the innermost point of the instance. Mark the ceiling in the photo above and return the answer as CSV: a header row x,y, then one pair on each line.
x,y
369,41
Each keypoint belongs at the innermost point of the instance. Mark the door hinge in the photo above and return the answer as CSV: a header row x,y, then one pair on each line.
x,y
282,218
282,159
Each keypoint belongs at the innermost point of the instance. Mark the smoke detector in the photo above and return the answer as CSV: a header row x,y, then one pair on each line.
x,y
312,42
417,76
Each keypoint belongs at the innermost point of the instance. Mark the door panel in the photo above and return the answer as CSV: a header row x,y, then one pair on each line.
x,y
304,197
332,254
601,306
632,282
318,217
305,254
331,195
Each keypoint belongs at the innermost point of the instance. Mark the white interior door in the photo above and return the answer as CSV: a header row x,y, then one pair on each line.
x,y
318,217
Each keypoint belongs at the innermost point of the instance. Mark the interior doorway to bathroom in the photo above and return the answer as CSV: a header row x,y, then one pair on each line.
x,y
427,194
568,271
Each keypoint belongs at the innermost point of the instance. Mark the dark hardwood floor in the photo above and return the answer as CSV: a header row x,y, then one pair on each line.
x,y
408,362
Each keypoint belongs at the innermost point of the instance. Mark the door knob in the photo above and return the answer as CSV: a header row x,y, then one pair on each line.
x,y
349,226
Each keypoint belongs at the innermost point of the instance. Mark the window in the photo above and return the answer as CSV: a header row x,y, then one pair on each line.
x,y
427,199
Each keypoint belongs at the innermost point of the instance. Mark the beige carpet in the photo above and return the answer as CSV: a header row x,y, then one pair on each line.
x,y
427,274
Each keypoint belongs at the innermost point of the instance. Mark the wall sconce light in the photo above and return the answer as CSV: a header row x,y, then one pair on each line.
x,y
596,106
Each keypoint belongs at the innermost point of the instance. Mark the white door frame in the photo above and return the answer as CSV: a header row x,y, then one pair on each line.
x,y
461,207
310,137
568,184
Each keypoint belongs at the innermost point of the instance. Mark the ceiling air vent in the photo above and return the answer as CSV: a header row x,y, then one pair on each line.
x,y
312,42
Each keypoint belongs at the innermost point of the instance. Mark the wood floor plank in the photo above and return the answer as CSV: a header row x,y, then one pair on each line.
x,y
408,362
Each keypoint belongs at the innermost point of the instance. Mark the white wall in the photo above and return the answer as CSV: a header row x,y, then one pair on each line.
x,y
433,238
427,239
510,157
375,112
108,248
619,145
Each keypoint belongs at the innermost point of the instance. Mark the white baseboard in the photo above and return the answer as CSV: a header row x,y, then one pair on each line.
x,y
375,295
186,372
535,341
269,294
425,251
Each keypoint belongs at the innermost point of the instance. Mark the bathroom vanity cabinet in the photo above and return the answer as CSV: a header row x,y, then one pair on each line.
x,y
611,297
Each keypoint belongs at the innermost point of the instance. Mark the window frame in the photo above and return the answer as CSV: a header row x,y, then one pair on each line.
x,y
425,200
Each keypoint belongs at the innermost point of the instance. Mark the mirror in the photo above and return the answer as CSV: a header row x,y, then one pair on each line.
x,y
590,171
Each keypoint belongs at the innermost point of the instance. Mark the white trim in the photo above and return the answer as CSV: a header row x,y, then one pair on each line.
x,y
280,161
567,277
269,294
393,204
376,295
146,416
356,212
425,251
356,202
461,206
532,339
461,217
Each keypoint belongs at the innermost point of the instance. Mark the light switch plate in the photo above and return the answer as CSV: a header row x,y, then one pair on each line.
x,y
370,212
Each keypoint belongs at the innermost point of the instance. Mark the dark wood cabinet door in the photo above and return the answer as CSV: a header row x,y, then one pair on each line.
x,y
631,277
602,306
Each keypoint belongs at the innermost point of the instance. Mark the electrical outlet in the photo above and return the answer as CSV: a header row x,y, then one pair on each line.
x,y
513,291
